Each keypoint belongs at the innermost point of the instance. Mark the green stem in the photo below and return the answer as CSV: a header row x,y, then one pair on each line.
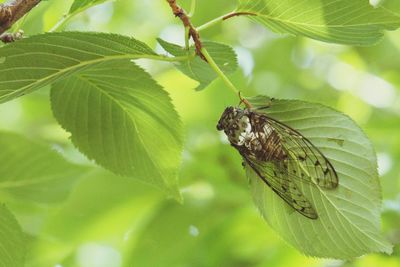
x,y
67,17
21,23
212,22
192,8
222,75
222,18
165,58
218,71
64,20
187,45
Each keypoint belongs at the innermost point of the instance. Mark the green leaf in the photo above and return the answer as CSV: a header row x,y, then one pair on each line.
x,y
12,240
392,6
120,117
353,22
34,62
33,171
108,207
198,69
103,207
78,5
349,216
188,246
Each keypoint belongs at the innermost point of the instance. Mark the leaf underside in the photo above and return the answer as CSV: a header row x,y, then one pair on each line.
x,y
120,117
116,113
40,60
348,223
353,22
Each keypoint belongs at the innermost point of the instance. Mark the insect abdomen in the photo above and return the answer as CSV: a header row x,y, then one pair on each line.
x,y
272,148
266,144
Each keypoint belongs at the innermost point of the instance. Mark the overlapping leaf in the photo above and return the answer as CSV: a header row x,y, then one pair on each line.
x,y
198,69
353,22
34,172
12,243
34,62
116,113
120,117
349,216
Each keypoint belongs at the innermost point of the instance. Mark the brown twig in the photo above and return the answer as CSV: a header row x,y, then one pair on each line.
x,y
244,101
193,33
13,10
231,15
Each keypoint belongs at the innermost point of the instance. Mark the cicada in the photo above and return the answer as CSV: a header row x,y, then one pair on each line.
x,y
279,155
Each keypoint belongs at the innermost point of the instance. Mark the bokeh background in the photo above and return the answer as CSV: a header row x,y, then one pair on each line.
x,y
109,221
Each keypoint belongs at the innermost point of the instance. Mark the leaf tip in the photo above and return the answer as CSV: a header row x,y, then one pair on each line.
x,y
175,194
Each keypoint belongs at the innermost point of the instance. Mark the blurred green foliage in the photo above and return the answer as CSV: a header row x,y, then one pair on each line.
x,y
112,221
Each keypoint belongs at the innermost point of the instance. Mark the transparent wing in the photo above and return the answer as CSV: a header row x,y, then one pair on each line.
x,y
276,177
305,161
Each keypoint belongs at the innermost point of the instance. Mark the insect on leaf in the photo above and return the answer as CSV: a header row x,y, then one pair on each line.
x,y
348,208
279,155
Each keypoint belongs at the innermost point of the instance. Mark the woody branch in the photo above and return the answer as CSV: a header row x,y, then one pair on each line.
x,y
11,12
193,33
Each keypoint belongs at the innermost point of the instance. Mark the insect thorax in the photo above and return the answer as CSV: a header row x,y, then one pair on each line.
x,y
251,135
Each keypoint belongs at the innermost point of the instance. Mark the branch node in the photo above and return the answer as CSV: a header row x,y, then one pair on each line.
x,y
193,33
244,101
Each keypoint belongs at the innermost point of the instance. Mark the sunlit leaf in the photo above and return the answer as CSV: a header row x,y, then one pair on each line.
x,y
348,223
81,4
34,62
198,69
33,171
353,22
120,117
12,243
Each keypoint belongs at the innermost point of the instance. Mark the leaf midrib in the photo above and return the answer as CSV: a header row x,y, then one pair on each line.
x,y
286,21
73,69
26,182
133,120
